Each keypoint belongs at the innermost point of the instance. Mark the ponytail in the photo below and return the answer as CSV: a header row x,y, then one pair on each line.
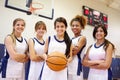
x,y
66,37
68,44
106,44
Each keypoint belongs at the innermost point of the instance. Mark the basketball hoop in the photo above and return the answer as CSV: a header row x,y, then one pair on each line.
x,y
35,6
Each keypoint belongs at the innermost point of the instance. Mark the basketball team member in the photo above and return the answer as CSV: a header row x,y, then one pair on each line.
x,y
13,67
36,49
79,41
99,56
60,43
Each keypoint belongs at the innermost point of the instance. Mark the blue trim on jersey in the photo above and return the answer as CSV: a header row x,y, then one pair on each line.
x,y
76,37
19,40
58,40
98,46
26,41
79,70
5,61
41,72
39,41
79,66
27,67
109,74
73,38
49,40
4,65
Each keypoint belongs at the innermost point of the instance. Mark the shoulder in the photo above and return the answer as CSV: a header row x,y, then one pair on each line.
x,y
31,40
9,41
9,38
110,46
82,38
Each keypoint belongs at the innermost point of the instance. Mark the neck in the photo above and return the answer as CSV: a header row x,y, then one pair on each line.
x,y
76,35
100,42
17,35
60,37
39,37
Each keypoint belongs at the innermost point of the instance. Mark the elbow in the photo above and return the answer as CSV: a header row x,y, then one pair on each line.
x,y
107,66
69,59
14,57
84,63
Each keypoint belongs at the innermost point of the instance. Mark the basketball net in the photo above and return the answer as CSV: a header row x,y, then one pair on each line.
x,y
34,7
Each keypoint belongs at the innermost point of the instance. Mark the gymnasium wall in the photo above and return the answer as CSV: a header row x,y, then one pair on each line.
x,y
67,9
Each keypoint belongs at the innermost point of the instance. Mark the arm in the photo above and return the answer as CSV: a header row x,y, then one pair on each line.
x,y
26,58
12,53
45,50
33,55
89,63
107,62
79,45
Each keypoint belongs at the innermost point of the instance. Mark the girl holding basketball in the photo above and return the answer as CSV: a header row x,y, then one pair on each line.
x,y
79,41
36,50
99,56
60,43
16,48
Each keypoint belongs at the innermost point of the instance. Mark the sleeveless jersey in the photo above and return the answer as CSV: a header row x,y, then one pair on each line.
x,y
14,69
36,67
75,67
48,74
97,53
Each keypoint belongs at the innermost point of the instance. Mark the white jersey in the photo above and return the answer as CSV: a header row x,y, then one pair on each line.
x,y
97,53
75,66
16,70
48,74
36,67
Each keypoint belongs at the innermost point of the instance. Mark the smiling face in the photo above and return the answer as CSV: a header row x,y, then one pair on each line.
x,y
76,27
100,34
19,26
40,30
77,24
60,28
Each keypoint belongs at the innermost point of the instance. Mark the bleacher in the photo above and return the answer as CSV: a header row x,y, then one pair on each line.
x,y
115,66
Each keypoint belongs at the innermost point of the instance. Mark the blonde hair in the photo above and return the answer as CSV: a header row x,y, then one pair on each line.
x,y
12,34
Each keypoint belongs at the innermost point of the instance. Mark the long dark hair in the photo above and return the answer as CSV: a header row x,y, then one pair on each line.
x,y
66,36
106,42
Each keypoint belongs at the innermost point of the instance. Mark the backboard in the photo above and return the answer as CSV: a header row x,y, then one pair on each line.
x,y
43,8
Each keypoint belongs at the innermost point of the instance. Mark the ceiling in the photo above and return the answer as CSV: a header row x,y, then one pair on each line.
x,y
115,4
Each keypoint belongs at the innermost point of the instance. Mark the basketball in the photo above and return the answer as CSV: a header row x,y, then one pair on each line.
x,y
56,61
